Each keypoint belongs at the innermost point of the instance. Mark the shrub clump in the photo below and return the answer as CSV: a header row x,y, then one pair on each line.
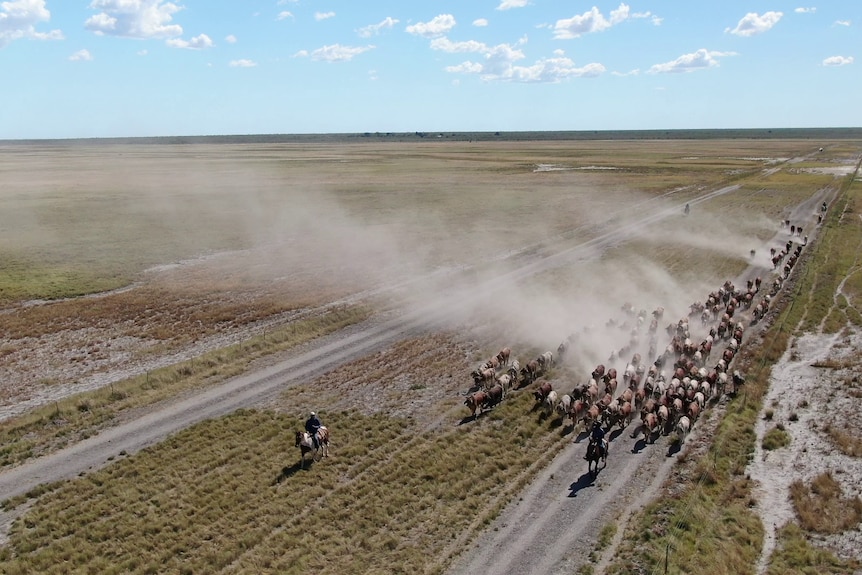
x,y
776,438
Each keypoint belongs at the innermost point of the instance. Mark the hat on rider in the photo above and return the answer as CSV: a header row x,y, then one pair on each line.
x,y
312,414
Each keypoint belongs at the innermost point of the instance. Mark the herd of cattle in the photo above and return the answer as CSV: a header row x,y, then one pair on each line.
x,y
668,394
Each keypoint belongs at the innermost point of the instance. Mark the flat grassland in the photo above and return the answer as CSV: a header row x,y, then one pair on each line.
x,y
123,261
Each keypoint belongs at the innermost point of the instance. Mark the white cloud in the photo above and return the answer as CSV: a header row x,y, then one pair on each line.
x,y
134,19
230,39
590,21
437,26
620,14
199,42
753,23
499,63
323,15
374,29
446,45
842,22
338,53
301,54
81,56
656,20
465,68
838,60
509,4
284,15
18,19
242,63
480,22
634,72
690,62
810,10
141,52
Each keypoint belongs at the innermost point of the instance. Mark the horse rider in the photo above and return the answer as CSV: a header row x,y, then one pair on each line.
x,y
687,209
597,437
312,426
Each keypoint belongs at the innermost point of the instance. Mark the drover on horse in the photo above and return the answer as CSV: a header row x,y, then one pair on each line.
x,y
312,426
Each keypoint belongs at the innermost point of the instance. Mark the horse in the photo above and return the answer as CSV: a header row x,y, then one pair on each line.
x,y
306,445
594,454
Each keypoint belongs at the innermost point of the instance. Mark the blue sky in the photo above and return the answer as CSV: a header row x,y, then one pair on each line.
x,y
111,68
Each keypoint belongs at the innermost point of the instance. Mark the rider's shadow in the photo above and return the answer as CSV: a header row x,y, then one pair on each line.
x,y
583,434
288,472
585,480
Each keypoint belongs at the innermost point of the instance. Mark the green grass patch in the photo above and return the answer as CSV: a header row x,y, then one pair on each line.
x,y
776,438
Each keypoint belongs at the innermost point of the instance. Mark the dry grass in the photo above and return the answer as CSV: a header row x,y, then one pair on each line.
x,y
403,490
794,555
228,493
847,443
821,507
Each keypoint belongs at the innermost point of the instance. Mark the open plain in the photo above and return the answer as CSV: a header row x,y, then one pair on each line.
x,y
172,312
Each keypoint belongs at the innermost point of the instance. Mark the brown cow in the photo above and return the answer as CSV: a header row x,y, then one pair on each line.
x,y
503,356
476,401
649,424
484,377
493,397
611,386
599,372
542,392
492,363
591,416
530,372
625,415
693,411
577,411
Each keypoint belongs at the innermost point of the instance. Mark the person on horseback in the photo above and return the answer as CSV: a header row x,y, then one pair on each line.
x,y
312,426
597,438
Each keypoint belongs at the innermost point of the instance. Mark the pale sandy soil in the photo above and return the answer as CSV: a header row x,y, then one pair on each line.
x,y
817,396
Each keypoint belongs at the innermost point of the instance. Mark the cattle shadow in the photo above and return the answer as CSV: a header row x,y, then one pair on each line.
x,y
288,472
674,448
614,434
468,419
584,481
639,445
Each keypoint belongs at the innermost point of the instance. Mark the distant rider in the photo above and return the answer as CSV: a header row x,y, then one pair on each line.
x,y
312,426
597,437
